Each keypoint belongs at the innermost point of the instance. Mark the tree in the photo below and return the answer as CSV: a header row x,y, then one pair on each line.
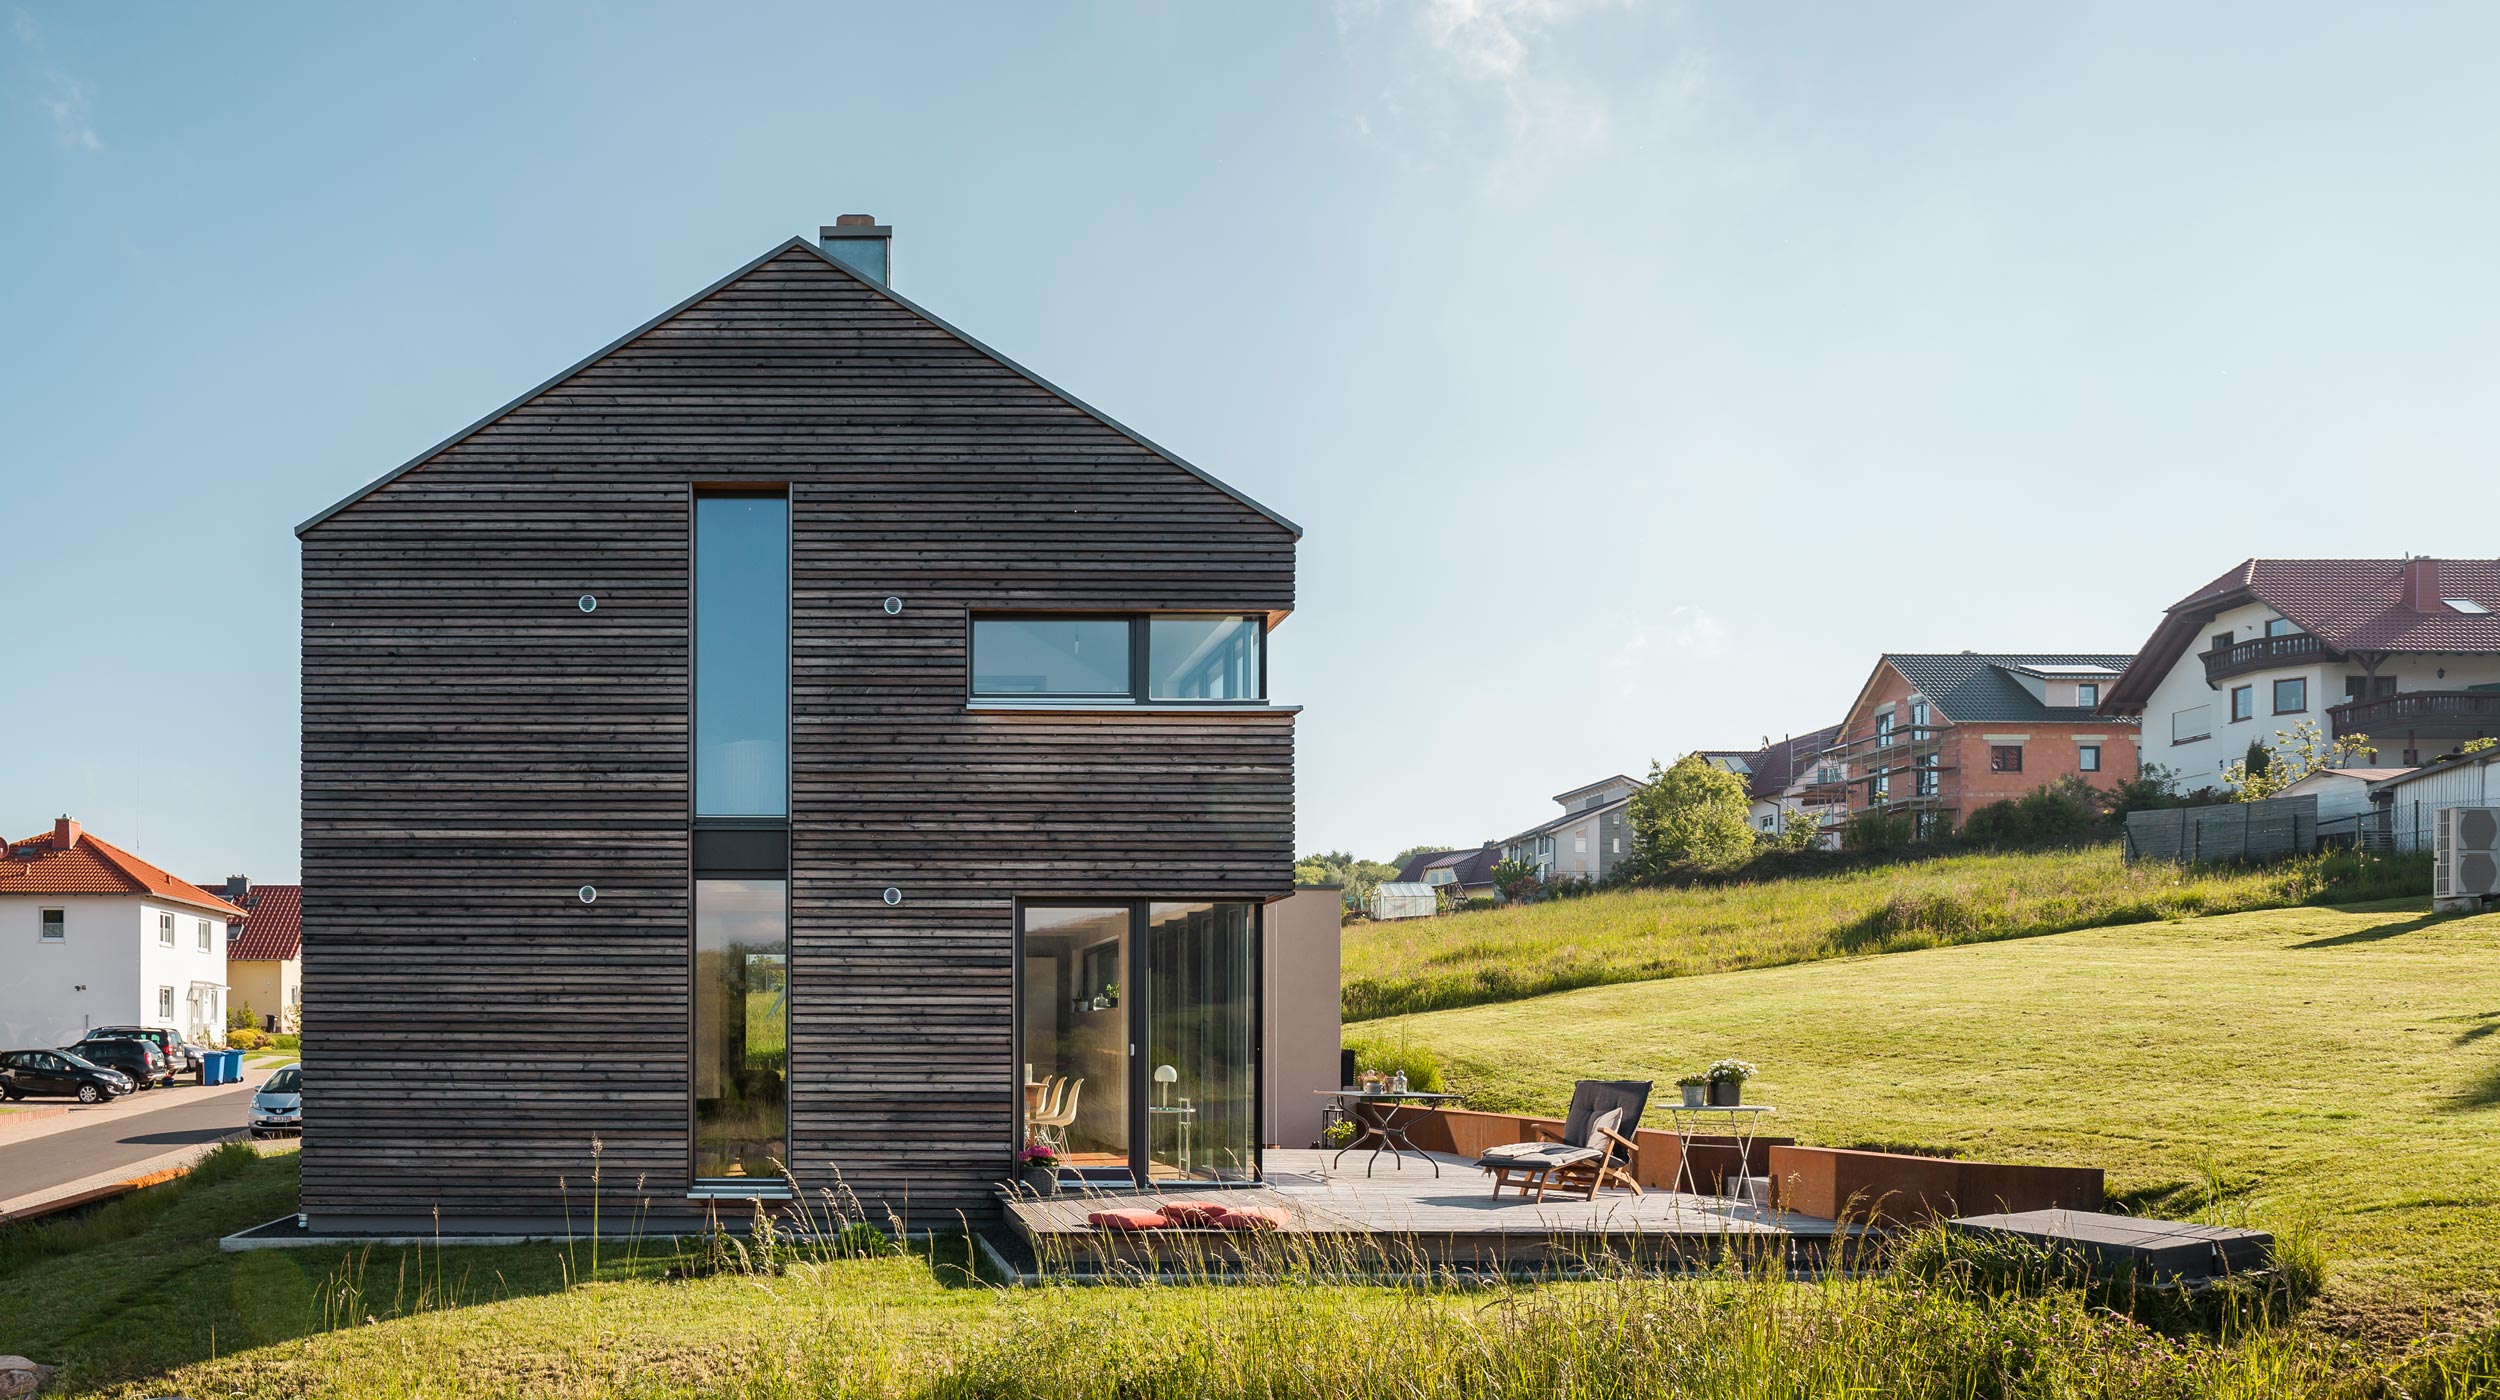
x,y
1799,830
1398,861
1515,879
2297,752
1360,877
1694,813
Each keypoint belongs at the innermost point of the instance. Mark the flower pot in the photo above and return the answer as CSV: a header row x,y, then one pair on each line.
x,y
1042,1181
1694,1095
1726,1093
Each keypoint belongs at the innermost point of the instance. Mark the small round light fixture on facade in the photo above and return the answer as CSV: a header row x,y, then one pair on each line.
x,y
893,606
589,894
893,895
589,602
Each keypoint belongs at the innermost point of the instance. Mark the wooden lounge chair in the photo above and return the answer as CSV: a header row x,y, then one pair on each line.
x,y
1592,1149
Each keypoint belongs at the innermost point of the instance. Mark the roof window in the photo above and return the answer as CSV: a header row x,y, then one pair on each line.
x,y
2465,605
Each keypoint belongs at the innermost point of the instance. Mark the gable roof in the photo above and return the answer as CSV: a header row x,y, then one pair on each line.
x,y
1469,869
272,929
1413,870
778,250
1567,818
2350,604
36,866
1774,767
1978,687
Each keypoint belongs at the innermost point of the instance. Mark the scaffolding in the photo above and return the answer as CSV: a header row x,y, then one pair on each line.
x,y
1904,771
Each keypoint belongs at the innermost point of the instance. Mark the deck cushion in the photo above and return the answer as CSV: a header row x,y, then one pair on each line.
x,y
1255,1217
1127,1220
1532,1156
1194,1212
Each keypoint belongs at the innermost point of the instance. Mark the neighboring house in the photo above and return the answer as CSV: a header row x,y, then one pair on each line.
x,y
1590,838
265,952
795,735
2404,651
1785,780
1457,874
91,935
2407,805
1935,736
2345,810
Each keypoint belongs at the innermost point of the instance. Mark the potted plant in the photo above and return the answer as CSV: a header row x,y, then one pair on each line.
x,y
1037,1166
1727,1082
1695,1086
1338,1133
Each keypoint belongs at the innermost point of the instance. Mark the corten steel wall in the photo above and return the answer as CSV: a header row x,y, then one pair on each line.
x,y
476,748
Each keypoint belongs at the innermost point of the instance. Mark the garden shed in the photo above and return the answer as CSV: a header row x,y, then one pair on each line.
x,y
1400,901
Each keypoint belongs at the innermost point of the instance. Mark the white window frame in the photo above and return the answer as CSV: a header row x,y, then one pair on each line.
x,y
165,1005
51,925
164,930
205,945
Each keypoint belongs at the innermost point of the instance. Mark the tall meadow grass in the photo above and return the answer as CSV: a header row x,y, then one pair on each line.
x,y
1507,954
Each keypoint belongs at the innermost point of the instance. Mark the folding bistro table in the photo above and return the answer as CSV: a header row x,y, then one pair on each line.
x,y
1744,1120
1384,1130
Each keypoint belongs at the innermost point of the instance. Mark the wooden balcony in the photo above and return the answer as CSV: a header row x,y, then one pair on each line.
x,y
2264,653
2419,715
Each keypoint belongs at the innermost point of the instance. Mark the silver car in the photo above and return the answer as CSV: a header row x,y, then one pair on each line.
x,y
278,1106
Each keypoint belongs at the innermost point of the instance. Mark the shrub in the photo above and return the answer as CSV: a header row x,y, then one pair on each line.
x,y
244,1038
287,1040
1422,1065
1480,901
1878,830
2058,811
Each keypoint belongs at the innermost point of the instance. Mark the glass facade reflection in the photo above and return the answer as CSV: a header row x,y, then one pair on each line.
x,y
1203,658
1202,1047
1076,1034
741,1028
1019,656
741,656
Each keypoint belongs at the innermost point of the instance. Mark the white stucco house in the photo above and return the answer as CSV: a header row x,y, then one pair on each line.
x,y
91,935
2403,651
1590,838
1788,781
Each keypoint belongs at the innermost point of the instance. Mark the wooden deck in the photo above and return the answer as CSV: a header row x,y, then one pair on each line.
x,y
1403,1220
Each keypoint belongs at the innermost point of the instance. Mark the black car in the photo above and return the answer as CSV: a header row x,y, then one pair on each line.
x,y
26,1074
180,1054
140,1059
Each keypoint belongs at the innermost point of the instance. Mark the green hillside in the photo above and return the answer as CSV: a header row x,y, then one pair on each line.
x,y
1640,935
2340,1066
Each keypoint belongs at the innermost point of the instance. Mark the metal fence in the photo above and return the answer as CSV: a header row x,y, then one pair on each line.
x,y
2276,827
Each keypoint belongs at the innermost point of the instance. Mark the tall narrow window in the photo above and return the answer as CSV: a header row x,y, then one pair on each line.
x,y
741,1029
1202,1051
165,930
741,656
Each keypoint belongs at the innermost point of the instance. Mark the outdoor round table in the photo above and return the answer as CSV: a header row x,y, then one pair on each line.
x,y
1744,1120
1384,1131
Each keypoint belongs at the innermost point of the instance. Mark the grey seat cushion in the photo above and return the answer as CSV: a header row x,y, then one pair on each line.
x,y
1547,1155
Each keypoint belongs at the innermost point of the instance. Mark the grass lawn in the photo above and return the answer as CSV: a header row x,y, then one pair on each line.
x,y
142,1303
1639,935
2337,1064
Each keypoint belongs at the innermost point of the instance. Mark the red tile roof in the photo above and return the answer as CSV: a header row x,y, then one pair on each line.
x,y
37,866
273,930
2350,604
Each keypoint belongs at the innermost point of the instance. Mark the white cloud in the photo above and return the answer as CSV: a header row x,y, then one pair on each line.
x,y
1654,654
66,103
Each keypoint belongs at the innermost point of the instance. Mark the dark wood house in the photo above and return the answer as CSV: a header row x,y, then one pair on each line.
x,y
795,736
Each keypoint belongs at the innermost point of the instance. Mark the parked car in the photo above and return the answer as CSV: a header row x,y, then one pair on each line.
x,y
278,1106
140,1059
179,1053
26,1074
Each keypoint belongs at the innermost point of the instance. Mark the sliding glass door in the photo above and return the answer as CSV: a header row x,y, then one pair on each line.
x,y
1140,1050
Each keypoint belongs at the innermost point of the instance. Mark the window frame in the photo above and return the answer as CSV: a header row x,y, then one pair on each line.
x,y
51,925
2087,758
2249,690
165,1003
164,929
2084,701
205,945
2275,694
1996,758
1140,693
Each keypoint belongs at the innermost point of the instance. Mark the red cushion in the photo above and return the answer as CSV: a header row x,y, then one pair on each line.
x,y
1256,1217
1127,1220
1193,1212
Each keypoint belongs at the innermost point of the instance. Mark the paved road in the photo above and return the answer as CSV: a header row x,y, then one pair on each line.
x,y
188,1117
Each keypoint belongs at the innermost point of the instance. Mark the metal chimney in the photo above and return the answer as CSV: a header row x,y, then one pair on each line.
x,y
860,243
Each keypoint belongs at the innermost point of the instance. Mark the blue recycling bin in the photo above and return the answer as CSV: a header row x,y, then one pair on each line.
x,y
212,1067
234,1065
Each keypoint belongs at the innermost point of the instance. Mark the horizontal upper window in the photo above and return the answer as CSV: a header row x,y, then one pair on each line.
x,y
1163,658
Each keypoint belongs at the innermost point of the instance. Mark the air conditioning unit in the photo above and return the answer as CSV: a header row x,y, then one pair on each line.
x,y
2465,864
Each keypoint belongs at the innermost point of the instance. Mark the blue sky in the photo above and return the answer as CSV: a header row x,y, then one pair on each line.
x,y
1639,372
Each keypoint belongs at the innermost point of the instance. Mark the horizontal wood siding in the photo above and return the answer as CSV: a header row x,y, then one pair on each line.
x,y
476,748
